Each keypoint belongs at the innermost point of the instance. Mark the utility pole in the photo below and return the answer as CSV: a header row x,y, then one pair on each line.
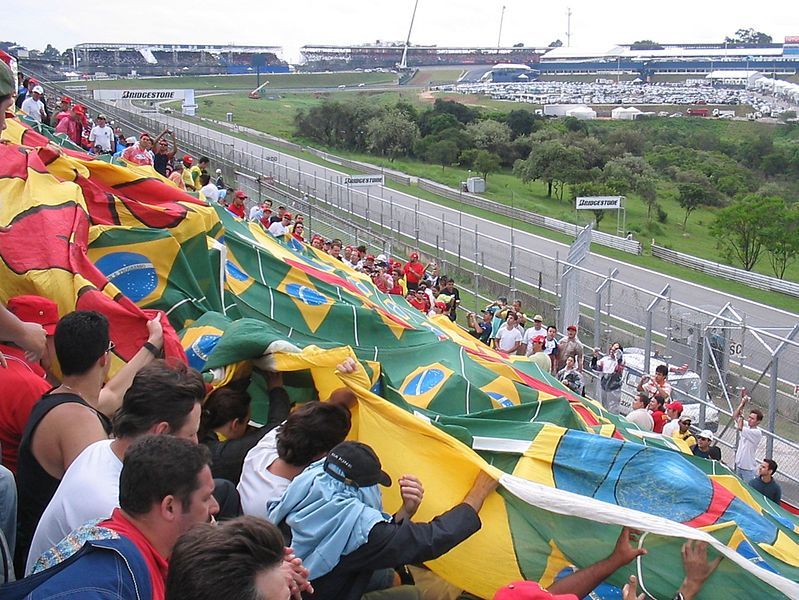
x,y
568,27
501,20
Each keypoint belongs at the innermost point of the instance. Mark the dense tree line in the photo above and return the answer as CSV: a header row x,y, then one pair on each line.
x,y
749,178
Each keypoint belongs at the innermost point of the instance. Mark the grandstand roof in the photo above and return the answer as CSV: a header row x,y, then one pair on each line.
x,y
178,47
511,66
688,51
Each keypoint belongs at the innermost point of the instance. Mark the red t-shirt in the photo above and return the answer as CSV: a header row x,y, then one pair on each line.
x,y
137,156
22,384
413,272
660,419
237,209
156,564
418,303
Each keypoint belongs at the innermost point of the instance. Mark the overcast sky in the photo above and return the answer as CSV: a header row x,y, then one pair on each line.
x,y
292,23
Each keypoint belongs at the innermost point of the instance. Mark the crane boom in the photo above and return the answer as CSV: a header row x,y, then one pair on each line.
x,y
404,62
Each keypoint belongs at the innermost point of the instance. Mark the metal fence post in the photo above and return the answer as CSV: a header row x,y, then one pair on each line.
x,y
703,381
772,404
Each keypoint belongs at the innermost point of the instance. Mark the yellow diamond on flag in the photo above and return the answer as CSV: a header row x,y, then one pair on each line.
x,y
502,392
312,304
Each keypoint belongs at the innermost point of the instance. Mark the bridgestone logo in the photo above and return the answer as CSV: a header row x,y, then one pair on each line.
x,y
598,202
365,180
129,95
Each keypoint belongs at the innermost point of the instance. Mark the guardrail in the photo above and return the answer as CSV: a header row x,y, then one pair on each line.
x,y
360,166
598,237
755,280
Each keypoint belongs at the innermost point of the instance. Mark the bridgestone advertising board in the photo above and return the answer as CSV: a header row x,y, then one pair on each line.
x,y
598,202
363,180
187,96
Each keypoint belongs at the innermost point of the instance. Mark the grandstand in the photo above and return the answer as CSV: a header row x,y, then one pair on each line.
x,y
663,59
389,55
170,59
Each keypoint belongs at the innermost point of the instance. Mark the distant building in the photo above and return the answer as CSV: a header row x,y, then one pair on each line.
x,y
388,55
508,73
734,78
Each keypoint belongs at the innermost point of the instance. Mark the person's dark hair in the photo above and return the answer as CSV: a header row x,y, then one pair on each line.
x,y
222,406
205,179
204,159
159,392
361,249
662,370
157,466
81,337
210,562
772,465
643,397
758,413
661,400
312,429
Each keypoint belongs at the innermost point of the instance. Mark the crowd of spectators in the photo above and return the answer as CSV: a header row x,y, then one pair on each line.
x,y
119,481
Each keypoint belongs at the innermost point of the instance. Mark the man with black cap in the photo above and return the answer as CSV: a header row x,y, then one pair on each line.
x,y
339,530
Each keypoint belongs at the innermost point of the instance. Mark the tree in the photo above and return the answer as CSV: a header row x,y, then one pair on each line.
x,y
691,196
521,122
442,153
781,239
646,45
51,52
486,162
627,174
489,135
553,163
432,122
740,229
749,36
391,134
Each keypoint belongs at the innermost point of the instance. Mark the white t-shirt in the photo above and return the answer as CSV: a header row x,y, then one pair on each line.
x,y
256,212
530,333
102,137
672,427
747,447
642,418
33,108
89,490
507,338
258,486
211,192
277,228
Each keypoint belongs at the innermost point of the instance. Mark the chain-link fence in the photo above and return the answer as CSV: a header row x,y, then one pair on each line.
x,y
715,352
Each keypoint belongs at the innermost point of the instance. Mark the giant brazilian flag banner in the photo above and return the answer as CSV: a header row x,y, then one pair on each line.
x,y
432,400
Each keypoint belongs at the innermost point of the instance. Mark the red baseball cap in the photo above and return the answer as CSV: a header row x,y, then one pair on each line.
x,y
528,590
571,328
287,215
79,108
240,194
539,339
414,255
35,309
675,406
187,159
66,100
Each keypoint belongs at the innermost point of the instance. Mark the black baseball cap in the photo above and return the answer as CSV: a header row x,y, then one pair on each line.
x,y
355,464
